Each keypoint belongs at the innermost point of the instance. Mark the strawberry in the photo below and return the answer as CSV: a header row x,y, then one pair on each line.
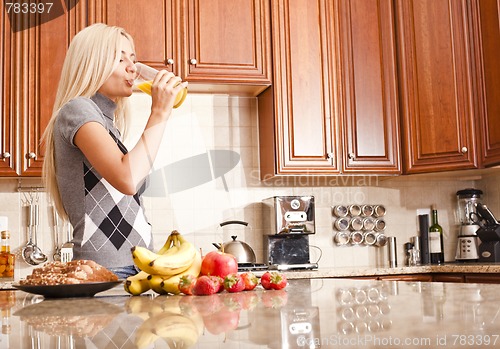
x,y
218,281
204,286
186,284
273,280
234,283
250,280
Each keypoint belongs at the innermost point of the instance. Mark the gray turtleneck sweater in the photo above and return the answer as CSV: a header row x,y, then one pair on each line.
x,y
106,223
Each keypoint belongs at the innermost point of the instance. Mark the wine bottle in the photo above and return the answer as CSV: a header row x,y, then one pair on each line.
x,y
436,249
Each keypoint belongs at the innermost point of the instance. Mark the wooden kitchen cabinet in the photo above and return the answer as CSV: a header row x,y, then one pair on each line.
x,y
407,277
448,277
31,59
436,85
7,121
368,96
217,45
483,278
31,67
333,104
485,15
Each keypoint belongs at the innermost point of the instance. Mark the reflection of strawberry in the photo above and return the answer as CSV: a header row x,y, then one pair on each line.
x,y
232,301
186,284
224,320
273,280
250,280
248,300
205,286
274,299
234,283
206,306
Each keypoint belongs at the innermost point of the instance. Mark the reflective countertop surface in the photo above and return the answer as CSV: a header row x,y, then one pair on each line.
x,y
309,313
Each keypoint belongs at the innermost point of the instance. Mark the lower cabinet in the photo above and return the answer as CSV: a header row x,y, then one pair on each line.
x,y
478,278
448,277
407,277
483,278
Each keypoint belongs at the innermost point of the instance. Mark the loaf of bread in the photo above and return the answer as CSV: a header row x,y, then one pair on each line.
x,y
75,272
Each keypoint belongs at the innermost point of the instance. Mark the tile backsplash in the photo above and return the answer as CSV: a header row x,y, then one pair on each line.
x,y
207,172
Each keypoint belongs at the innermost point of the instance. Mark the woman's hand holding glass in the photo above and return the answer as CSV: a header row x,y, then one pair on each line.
x,y
150,80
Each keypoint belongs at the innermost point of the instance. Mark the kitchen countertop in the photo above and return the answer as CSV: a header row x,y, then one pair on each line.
x,y
332,312
374,271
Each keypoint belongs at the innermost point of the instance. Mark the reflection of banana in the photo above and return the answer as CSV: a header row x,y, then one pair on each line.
x,y
144,337
171,285
176,322
178,328
139,306
137,284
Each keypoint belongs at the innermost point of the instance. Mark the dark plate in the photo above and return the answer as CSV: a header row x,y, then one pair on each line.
x,y
67,291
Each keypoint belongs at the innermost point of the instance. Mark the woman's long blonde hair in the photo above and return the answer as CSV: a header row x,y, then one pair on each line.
x,y
92,56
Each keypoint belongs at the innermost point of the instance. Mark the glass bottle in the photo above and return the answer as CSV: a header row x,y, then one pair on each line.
x,y
7,259
436,249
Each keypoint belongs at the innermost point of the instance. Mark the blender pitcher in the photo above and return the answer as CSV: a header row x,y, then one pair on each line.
x,y
468,242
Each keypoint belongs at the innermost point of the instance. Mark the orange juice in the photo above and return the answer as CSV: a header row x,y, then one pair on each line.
x,y
145,87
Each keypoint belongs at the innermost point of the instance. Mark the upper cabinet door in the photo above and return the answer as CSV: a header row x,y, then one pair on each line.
x,y
154,26
299,119
435,83
487,13
218,45
42,50
7,117
227,41
368,83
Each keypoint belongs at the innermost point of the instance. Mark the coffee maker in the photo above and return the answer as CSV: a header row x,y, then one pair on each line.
x,y
288,221
467,244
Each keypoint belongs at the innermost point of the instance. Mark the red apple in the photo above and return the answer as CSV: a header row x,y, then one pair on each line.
x,y
218,263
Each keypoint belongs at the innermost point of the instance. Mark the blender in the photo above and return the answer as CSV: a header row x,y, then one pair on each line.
x,y
467,244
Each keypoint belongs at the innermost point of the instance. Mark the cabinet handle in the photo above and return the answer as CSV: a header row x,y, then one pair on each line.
x,y
31,155
170,61
329,155
351,156
193,61
6,155
464,150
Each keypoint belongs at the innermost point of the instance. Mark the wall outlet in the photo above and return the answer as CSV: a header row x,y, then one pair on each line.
x,y
421,211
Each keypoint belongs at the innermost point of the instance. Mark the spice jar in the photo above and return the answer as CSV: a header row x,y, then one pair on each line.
x,y
7,259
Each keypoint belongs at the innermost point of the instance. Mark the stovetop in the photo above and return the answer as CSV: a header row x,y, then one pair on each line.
x,y
254,267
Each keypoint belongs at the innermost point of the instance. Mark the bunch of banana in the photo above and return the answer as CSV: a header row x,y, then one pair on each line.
x,y
163,270
137,284
171,284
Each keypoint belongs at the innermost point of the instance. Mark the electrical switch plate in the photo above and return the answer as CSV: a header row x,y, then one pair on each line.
x,y
421,211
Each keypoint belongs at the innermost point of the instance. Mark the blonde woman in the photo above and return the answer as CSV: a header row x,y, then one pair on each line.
x,y
93,180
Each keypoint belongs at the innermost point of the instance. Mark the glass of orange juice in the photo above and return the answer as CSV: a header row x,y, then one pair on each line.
x,y
144,80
